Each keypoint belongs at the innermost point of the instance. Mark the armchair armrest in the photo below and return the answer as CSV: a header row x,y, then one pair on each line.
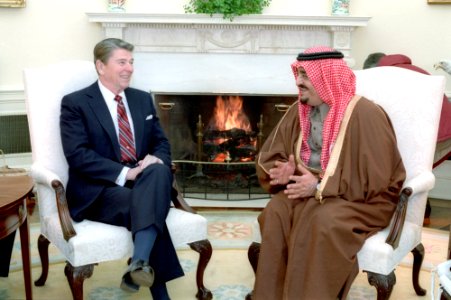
x,y
420,183
399,218
423,182
44,176
63,210
177,198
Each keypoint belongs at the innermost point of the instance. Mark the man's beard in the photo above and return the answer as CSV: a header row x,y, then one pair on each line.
x,y
304,100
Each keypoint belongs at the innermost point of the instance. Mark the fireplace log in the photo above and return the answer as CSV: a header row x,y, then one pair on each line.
x,y
237,149
234,133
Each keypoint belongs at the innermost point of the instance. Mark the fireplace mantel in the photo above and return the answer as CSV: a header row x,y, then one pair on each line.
x,y
195,53
265,34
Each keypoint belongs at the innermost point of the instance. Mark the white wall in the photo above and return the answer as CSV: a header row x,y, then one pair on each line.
x,y
47,31
44,31
411,27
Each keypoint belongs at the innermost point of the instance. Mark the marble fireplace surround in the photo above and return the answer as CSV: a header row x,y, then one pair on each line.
x,y
190,53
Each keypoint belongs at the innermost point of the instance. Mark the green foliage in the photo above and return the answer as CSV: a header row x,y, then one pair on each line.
x,y
228,8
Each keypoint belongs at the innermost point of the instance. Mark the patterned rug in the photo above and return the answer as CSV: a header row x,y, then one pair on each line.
x,y
228,275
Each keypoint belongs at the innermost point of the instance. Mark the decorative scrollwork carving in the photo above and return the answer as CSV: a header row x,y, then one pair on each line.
x,y
383,284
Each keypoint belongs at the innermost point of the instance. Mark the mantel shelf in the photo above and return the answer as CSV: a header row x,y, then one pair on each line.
x,y
262,20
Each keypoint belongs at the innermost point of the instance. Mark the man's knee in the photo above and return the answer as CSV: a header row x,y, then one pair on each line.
x,y
276,208
279,204
328,218
159,171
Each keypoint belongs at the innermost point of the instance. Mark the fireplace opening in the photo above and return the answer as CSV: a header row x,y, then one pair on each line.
x,y
228,137
215,139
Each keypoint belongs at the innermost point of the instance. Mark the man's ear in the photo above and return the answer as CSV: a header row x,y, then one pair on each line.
x,y
100,67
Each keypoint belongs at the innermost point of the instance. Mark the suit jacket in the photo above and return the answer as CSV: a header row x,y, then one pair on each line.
x,y
91,145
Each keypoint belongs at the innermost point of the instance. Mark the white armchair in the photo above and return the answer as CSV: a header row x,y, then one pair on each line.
x,y
86,243
413,102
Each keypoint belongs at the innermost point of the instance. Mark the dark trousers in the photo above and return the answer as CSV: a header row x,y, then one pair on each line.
x,y
139,205
6,249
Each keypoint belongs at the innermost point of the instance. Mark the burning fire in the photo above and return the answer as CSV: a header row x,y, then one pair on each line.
x,y
228,114
230,120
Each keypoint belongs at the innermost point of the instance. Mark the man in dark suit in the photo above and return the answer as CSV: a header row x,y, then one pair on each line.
x,y
119,165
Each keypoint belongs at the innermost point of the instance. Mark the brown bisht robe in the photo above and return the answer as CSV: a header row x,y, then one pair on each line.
x,y
309,249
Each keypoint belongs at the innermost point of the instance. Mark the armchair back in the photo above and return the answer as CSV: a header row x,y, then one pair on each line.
x,y
43,111
413,102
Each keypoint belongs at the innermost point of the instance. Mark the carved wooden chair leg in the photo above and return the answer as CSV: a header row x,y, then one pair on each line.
x,y
383,284
249,295
43,248
204,249
418,256
76,276
253,253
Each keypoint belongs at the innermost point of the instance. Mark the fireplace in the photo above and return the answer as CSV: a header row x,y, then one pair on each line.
x,y
215,139
187,61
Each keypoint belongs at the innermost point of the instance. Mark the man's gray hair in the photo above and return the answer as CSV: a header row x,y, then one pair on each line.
x,y
104,49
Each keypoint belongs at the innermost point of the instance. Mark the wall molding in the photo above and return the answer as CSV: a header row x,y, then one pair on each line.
x,y
17,160
12,102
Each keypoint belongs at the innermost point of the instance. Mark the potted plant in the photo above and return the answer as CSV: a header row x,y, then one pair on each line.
x,y
228,8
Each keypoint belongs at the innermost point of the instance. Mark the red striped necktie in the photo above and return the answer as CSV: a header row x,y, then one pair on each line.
x,y
128,153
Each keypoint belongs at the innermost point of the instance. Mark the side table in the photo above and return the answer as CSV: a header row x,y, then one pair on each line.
x,y
14,192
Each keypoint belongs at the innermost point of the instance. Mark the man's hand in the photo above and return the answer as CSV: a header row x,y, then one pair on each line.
x,y
133,173
282,171
142,164
303,186
148,160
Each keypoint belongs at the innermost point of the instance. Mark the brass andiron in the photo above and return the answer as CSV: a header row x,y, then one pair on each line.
x,y
200,135
260,133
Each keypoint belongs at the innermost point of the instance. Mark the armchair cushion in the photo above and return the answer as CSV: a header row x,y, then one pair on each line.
x,y
379,257
95,242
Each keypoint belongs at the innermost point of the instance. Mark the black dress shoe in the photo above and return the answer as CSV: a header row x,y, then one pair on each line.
x,y
128,285
141,273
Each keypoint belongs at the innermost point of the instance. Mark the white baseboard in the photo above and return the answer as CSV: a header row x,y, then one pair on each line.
x,y
244,204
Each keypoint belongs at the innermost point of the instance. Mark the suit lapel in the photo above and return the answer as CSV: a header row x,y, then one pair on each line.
x,y
138,121
101,112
